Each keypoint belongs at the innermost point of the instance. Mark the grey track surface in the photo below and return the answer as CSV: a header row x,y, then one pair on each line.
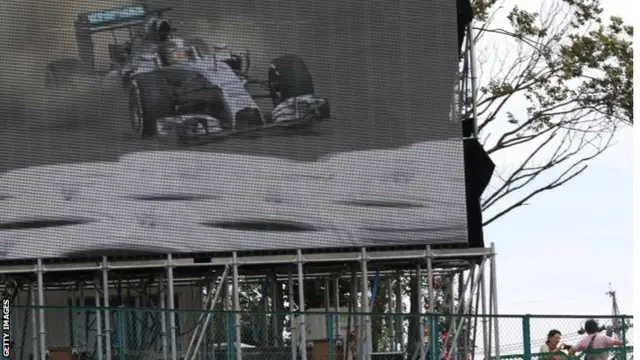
x,y
386,66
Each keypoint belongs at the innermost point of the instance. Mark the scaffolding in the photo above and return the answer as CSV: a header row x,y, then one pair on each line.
x,y
464,267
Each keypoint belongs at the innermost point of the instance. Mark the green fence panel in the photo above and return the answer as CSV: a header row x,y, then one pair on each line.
x,y
139,334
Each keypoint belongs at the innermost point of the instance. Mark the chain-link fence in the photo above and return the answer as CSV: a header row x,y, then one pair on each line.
x,y
89,333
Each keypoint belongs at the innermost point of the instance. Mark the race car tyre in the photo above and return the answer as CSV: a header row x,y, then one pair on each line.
x,y
61,73
289,77
149,100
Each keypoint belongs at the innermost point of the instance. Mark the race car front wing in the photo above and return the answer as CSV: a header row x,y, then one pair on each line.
x,y
306,108
301,111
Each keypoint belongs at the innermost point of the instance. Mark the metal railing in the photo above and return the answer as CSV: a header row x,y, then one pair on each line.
x,y
84,333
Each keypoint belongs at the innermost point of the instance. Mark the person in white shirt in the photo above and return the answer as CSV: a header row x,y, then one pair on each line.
x,y
552,345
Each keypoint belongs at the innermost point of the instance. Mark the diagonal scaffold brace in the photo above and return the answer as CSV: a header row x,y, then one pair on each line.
x,y
201,328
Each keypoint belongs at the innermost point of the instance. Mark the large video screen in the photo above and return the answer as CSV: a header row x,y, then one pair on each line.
x,y
212,126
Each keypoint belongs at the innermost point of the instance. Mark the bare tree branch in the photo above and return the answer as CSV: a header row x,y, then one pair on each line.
x,y
522,201
555,63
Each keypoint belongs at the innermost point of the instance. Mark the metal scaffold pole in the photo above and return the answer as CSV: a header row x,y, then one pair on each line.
x,y
422,330
466,304
430,277
483,303
366,308
34,321
399,308
163,317
390,320
42,329
200,331
99,337
83,315
336,300
301,306
107,318
432,298
236,306
494,291
327,304
172,306
276,308
292,317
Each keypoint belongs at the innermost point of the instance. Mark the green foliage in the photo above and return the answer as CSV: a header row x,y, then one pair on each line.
x,y
572,70
563,62
608,49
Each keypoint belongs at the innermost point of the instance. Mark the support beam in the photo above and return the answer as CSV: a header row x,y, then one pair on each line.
x,y
352,320
74,322
458,309
236,306
203,314
474,283
264,321
41,330
452,297
368,343
105,300
336,302
276,298
301,306
83,316
390,318
485,329
432,300
292,318
421,333
172,307
494,291
99,335
200,332
443,255
34,321
327,304
163,317
399,310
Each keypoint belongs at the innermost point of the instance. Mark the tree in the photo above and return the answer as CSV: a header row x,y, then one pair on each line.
x,y
571,74
570,71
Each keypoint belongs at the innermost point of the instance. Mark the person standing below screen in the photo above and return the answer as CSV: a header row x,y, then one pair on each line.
x,y
594,340
552,345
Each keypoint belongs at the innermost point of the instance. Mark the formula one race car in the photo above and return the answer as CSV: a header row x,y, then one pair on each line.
x,y
179,86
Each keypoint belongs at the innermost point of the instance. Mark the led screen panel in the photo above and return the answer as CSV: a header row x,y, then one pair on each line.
x,y
231,125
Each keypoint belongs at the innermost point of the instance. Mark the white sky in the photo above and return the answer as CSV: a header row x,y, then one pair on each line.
x,y
559,254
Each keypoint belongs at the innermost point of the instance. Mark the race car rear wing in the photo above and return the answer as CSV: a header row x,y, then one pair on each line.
x,y
90,23
115,18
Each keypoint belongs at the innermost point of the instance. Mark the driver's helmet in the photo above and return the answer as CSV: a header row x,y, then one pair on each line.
x,y
159,29
173,52
150,26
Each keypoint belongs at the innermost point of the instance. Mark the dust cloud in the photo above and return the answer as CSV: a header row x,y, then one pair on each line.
x,y
33,34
